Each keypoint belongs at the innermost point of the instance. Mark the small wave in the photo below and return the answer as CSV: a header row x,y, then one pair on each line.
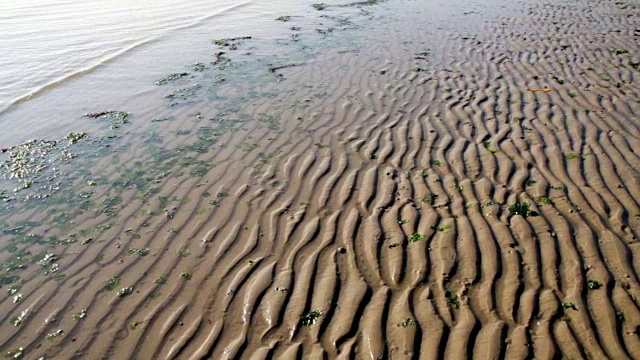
x,y
112,57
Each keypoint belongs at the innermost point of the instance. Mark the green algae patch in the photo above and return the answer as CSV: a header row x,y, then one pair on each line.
x,y
115,118
311,317
80,315
171,78
112,283
522,209
139,252
186,276
406,323
125,291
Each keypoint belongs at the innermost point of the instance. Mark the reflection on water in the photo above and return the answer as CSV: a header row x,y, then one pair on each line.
x,y
48,42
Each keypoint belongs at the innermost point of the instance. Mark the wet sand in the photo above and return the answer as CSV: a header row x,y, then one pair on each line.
x,y
464,187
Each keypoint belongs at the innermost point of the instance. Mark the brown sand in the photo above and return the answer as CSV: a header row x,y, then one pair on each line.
x,y
369,156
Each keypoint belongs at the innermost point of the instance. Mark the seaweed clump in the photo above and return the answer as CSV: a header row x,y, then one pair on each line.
x,y
522,209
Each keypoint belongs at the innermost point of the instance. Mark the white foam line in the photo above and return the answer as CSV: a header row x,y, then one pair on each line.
x,y
88,70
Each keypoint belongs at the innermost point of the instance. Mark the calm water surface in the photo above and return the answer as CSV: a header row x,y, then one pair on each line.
x,y
63,57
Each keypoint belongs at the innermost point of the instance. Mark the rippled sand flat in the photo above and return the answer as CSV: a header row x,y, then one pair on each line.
x,y
394,179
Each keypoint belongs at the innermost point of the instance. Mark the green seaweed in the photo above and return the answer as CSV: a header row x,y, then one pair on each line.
x,y
522,209
272,122
17,320
186,275
75,137
80,315
53,335
112,283
200,170
311,317
171,78
231,42
417,237
14,354
141,252
406,323
618,51
183,252
13,289
429,199
452,299
442,228
125,291
545,200
594,284
132,234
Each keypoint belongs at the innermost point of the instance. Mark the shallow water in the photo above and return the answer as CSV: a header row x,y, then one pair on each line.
x,y
50,42
67,57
